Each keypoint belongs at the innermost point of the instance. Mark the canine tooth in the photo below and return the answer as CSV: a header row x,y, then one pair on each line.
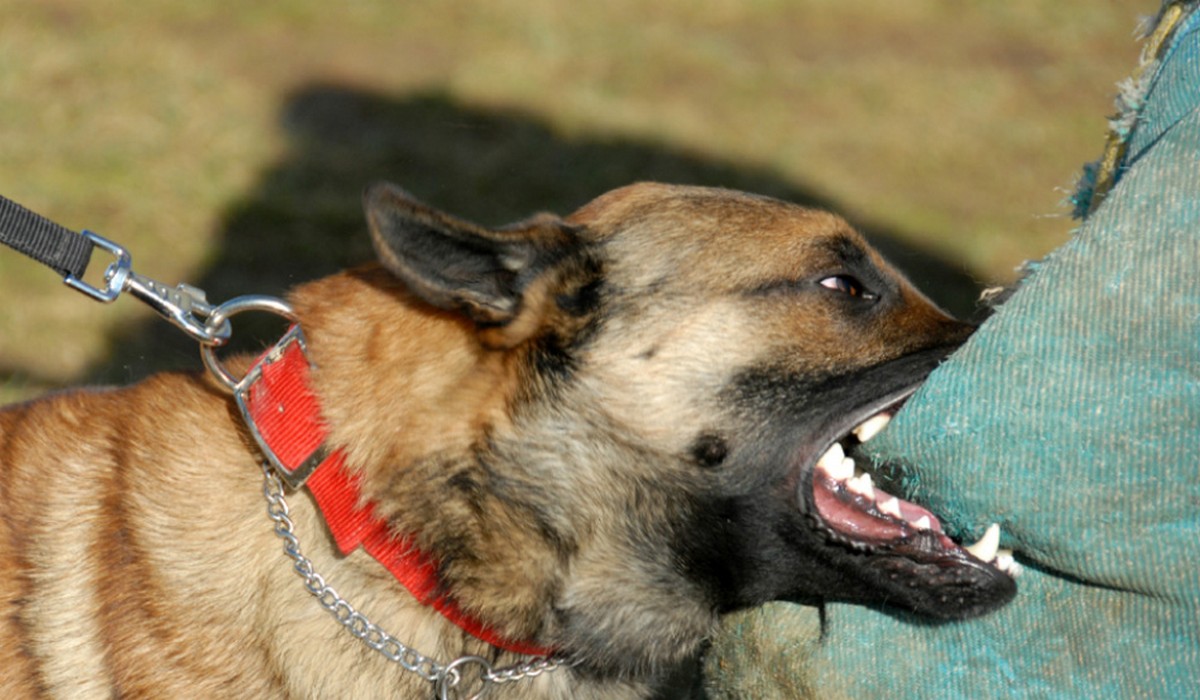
x,y
891,507
923,523
871,426
831,461
862,486
987,546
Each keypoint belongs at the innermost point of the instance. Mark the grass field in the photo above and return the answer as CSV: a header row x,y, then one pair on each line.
x,y
226,143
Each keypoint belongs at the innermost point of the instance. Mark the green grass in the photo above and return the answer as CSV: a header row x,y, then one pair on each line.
x,y
226,143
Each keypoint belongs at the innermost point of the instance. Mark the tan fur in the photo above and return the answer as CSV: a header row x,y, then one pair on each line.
x,y
137,561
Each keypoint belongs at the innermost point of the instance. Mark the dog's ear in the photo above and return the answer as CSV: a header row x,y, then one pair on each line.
x,y
493,276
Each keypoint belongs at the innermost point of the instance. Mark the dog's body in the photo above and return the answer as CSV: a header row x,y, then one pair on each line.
x,y
603,429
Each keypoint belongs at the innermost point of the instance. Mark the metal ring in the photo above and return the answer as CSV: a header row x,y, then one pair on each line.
x,y
452,676
221,315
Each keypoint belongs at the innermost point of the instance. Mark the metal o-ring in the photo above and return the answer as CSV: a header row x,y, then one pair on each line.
x,y
452,675
221,316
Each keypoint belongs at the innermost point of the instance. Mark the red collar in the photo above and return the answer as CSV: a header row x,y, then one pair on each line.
x,y
285,418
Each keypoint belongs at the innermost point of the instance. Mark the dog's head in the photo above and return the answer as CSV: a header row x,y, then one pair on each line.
x,y
662,372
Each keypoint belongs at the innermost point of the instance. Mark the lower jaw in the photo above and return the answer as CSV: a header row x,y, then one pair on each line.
x,y
864,518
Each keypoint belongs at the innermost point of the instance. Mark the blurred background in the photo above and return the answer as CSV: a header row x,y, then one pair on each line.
x,y
226,143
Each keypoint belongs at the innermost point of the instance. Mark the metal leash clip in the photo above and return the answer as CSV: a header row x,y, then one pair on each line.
x,y
183,305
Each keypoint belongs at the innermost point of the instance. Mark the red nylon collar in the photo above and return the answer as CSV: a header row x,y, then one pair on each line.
x,y
284,416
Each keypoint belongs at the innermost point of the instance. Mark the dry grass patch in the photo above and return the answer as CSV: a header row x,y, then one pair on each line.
x,y
226,143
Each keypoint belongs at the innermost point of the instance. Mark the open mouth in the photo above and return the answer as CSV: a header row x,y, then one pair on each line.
x,y
856,513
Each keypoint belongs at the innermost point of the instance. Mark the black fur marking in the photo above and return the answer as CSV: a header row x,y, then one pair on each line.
x,y
709,450
748,550
553,360
465,483
850,253
648,353
554,356
582,301
779,396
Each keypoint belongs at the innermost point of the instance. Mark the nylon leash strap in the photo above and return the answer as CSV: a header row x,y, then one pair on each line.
x,y
51,244
69,253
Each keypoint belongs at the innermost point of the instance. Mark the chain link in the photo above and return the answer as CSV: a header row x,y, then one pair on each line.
x,y
445,678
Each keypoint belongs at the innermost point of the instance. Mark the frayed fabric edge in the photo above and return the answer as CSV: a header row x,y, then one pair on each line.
x,y
1099,177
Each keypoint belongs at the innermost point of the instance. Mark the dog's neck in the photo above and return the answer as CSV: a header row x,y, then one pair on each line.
x,y
436,393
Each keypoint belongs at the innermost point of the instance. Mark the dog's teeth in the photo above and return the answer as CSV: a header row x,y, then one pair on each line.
x,y
890,507
871,426
1005,562
831,461
987,546
861,485
923,523
844,470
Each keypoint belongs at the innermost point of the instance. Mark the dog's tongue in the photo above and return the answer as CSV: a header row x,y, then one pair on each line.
x,y
863,512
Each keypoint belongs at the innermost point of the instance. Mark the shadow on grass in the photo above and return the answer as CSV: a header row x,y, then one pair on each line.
x,y
304,219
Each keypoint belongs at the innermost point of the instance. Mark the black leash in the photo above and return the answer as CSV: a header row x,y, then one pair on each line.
x,y
68,253
57,247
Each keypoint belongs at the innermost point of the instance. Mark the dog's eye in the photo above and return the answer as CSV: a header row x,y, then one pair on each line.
x,y
847,285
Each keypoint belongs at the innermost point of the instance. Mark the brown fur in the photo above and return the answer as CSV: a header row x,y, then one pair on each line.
x,y
540,446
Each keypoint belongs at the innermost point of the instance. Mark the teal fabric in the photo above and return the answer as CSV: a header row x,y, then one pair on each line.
x,y
1072,418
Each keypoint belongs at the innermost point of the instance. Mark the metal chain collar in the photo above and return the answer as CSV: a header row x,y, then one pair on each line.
x,y
445,678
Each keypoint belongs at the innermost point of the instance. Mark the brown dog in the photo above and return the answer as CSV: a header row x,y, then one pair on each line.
x,y
599,432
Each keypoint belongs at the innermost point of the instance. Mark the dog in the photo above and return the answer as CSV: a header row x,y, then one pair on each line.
x,y
596,433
